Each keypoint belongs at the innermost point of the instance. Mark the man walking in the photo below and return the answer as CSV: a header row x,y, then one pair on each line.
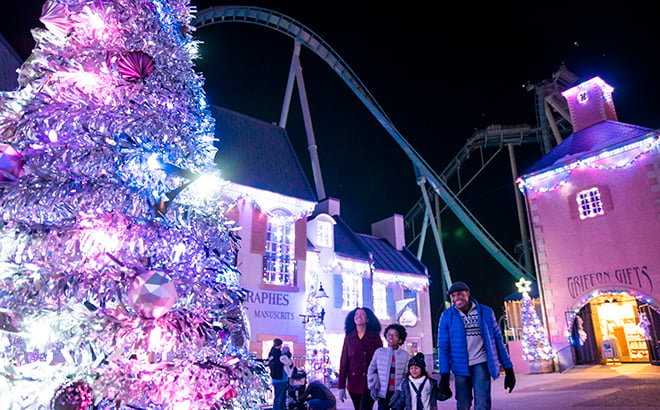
x,y
470,345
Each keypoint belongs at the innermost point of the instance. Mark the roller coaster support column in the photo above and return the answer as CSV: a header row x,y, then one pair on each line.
x,y
429,218
295,74
524,236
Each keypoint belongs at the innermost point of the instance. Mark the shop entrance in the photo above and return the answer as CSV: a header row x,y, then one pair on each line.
x,y
616,327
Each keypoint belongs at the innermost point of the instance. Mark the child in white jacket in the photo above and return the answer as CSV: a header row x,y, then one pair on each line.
x,y
388,367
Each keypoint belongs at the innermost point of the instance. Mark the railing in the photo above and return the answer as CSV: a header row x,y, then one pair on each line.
x,y
299,362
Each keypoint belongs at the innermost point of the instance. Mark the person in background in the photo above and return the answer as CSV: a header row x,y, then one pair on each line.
x,y
470,345
418,390
287,361
316,394
361,341
388,366
277,375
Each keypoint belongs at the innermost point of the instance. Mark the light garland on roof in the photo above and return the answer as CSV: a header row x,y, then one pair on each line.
x,y
533,183
267,201
416,283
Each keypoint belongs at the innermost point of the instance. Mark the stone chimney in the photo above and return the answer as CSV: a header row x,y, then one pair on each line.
x,y
392,230
590,103
328,206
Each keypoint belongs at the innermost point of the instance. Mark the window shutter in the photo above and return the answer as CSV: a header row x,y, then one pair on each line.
x,y
338,291
389,299
259,225
573,206
301,239
367,293
233,214
606,198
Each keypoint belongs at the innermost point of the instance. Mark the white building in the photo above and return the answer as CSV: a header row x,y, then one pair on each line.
x,y
291,244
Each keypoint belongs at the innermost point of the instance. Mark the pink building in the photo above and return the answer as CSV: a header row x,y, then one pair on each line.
x,y
593,207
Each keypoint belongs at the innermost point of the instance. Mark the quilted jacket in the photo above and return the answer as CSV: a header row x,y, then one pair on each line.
x,y
378,373
452,343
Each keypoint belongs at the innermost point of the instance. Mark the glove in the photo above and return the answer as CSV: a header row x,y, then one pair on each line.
x,y
445,391
374,394
509,380
342,395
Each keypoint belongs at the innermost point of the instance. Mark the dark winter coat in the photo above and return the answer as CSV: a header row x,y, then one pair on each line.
x,y
275,365
356,354
402,399
452,342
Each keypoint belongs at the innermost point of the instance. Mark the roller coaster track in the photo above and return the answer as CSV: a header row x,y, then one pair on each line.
x,y
486,138
297,31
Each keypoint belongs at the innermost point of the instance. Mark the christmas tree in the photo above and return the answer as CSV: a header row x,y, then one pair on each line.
x,y
535,342
118,286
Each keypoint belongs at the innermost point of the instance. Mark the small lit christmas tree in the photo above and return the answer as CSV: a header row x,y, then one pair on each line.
x,y
535,344
117,281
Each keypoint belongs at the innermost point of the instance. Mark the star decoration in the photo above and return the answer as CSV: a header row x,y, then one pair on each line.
x,y
524,285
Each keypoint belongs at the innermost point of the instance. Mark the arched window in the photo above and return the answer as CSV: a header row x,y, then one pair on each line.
x,y
279,258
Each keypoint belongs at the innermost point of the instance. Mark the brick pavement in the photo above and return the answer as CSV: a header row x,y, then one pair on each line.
x,y
620,387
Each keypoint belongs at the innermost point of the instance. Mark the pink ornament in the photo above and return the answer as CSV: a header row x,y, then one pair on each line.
x,y
11,164
55,17
152,294
228,392
135,65
73,396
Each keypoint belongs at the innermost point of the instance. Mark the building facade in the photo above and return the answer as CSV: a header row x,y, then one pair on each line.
x,y
593,207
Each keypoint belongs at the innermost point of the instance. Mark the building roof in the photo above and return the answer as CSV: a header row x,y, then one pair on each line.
x,y
387,258
9,63
347,242
596,138
257,154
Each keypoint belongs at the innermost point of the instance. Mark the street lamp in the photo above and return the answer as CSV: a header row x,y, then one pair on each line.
x,y
322,299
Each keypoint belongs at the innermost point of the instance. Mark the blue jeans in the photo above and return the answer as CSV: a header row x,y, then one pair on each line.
x,y
479,381
279,402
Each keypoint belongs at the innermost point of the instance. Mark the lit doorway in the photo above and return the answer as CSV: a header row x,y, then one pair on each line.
x,y
616,327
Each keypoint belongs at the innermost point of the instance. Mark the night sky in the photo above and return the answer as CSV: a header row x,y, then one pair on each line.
x,y
440,75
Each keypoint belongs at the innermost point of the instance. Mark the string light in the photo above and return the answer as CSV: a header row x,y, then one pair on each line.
x,y
564,173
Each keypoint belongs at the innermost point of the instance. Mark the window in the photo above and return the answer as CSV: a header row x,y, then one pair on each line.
x,y
279,259
324,234
583,97
351,291
589,203
380,300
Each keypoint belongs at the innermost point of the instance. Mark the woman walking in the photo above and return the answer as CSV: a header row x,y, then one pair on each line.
x,y
361,341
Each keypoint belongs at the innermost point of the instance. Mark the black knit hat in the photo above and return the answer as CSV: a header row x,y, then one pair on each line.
x,y
418,360
457,287
298,374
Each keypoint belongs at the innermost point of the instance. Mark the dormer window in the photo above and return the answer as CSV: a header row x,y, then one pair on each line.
x,y
324,234
583,97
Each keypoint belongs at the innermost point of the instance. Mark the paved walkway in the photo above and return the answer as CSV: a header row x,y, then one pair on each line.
x,y
620,387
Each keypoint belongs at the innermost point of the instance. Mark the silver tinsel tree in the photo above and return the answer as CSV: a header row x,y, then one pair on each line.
x,y
118,287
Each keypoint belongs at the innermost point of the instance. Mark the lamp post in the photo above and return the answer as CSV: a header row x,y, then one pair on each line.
x,y
316,345
321,298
